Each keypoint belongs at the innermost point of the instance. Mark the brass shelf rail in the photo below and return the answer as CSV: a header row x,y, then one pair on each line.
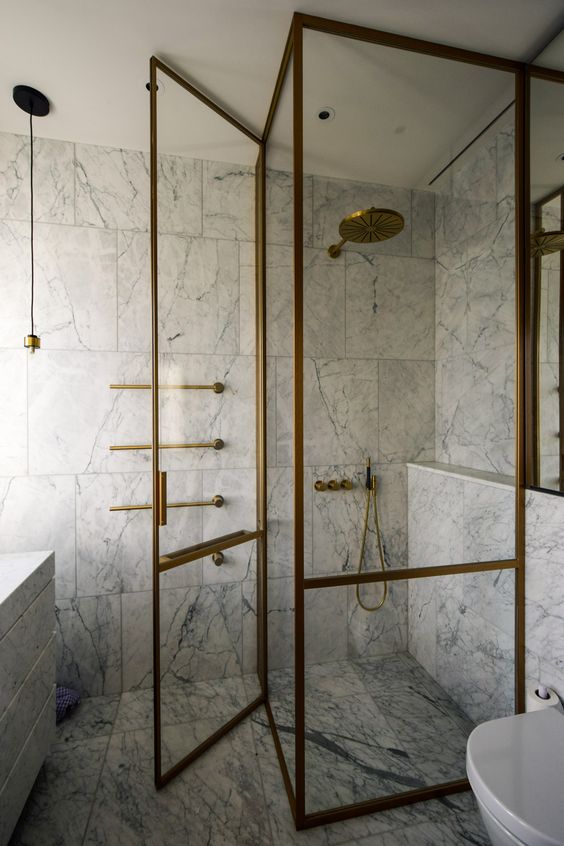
x,y
215,444
217,500
202,550
217,387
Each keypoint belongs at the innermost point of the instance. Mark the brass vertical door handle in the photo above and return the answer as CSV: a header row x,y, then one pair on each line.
x,y
162,498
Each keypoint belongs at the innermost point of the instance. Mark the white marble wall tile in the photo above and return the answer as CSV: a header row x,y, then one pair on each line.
x,y
552,314
490,301
475,662
114,548
13,411
435,518
475,411
250,627
543,589
340,410
134,291
489,522
324,305
491,595
179,194
14,283
137,640
238,488
505,163
247,296
37,512
474,175
338,519
53,179
406,410
280,207
76,298
73,433
198,295
228,201
381,632
204,415
325,624
201,633
89,644
279,300
423,224
280,622
389,307
422,623
112,187
334,199
271,440
451,308
280,521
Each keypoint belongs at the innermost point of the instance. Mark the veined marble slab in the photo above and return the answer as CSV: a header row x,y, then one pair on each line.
x,y
23,575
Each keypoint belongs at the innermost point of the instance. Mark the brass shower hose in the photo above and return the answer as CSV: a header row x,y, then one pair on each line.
x,y
371,497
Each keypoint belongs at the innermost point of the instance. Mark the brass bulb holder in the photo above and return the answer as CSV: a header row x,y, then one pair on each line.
x,y
32,343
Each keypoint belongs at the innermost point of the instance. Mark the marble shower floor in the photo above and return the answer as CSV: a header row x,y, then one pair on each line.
x,y
97,785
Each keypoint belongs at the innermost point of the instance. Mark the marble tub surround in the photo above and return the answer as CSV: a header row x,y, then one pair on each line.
x,y
475,306
27,669
461,627
93,315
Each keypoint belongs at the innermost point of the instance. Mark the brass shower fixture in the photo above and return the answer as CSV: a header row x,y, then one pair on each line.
x,y
543,243
367,227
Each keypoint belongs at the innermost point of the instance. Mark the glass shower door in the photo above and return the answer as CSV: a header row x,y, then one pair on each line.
x,y
206,582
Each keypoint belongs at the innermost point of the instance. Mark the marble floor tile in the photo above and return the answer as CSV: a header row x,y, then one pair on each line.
x,y
93,717
464,828
218,800
59,805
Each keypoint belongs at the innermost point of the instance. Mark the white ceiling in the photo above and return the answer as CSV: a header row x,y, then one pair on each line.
x,y
90,57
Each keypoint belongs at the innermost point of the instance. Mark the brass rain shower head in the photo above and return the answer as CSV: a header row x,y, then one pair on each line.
x,y
543,243
368,226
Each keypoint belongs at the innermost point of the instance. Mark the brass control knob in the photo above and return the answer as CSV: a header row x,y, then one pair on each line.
x,y
320,485
346,485
333,485
218,558
218,501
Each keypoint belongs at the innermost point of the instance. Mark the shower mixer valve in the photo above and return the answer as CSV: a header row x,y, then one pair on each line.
x,y
333,485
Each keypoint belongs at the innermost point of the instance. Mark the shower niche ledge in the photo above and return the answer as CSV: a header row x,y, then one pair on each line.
x,y
483,477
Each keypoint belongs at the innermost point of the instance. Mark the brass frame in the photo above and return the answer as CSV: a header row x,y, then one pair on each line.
x,y
294,51
161,564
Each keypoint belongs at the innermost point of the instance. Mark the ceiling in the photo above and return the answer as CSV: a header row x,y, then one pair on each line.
x,y
90,57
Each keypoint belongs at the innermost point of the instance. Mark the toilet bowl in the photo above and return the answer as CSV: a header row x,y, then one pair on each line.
x,y
515,767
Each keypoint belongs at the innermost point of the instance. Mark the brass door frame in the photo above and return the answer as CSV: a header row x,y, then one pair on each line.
x,y
294,51
159,565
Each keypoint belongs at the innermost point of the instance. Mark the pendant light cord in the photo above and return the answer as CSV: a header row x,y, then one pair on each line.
x,y
31,207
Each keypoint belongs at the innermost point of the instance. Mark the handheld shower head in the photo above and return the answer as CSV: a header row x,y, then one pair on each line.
x,y
367,227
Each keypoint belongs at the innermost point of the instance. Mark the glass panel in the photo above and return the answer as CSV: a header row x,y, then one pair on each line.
x,y
409,312
547,224
392,696
206,336
280,387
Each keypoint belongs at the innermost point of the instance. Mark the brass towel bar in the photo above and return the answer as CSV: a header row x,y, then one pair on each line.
x,y
217,387
217,500
202,550
216,444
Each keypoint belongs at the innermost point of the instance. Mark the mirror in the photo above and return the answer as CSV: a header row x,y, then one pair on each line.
x,y
545,414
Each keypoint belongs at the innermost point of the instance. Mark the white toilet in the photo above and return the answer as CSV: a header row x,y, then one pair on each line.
x,y
516,769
